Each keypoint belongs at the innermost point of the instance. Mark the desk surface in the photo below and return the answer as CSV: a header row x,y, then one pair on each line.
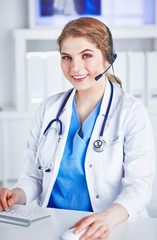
x,y
52,228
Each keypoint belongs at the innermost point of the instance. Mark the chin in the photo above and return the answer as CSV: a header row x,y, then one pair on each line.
x,y
83,85
83,88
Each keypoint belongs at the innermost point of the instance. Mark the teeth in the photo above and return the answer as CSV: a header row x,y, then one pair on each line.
x,y
81,76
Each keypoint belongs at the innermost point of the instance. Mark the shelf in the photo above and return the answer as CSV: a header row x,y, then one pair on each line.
x,y
134,32
21,36
16,115
36,34
117,32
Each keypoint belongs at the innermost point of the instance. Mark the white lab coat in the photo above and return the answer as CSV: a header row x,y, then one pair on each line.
x,y
122,173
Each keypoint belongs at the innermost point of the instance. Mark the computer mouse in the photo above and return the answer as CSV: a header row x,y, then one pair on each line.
x,y
70,235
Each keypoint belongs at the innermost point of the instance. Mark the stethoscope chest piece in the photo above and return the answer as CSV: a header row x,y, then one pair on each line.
x,y
99,145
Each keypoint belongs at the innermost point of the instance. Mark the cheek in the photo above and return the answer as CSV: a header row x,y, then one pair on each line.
x,y
97,67
64,67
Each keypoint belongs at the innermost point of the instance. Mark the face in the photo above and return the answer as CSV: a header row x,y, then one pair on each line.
x,y
81,62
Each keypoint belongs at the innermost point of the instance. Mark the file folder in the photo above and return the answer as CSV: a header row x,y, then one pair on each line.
x,y
152,78
120,68
54,75
137,74
35,75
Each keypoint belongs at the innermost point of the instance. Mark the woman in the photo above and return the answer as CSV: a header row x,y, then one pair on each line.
x,y
108,172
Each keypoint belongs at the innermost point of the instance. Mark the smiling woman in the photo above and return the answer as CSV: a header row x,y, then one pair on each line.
x,y
90,148
81,62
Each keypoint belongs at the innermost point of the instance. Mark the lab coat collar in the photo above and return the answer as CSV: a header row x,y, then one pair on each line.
x,y
98,125
105,99
70,100
104,104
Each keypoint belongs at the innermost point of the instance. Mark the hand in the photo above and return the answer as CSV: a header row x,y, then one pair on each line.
x,y
7,198
99,225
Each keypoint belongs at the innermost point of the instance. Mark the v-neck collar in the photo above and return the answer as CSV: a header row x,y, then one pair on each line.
x,y
88,124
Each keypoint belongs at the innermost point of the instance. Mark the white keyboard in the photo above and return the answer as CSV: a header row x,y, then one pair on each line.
x,y
23,215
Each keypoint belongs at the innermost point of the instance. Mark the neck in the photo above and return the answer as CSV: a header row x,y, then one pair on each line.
x,y
86,100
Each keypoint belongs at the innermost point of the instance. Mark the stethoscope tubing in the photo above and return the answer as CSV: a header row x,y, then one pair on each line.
x,y
49,126
102,142
107,111
58,115
48,169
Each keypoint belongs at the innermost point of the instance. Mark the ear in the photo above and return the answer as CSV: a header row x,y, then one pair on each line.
x,y
106,63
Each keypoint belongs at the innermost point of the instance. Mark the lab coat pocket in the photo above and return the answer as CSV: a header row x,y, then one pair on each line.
x,y
114,147
112,140
112,159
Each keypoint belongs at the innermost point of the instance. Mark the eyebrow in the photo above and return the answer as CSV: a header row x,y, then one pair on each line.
x,y
85,50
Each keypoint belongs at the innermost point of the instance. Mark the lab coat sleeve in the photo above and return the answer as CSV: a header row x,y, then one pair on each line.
x,y
31,179
139,161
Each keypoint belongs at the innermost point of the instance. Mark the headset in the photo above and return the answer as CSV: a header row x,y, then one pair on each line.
x,y
112,55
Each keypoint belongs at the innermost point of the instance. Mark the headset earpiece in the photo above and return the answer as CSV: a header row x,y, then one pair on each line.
x,y
112,54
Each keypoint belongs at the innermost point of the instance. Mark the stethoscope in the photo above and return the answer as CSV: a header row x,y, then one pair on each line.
x,y
98,146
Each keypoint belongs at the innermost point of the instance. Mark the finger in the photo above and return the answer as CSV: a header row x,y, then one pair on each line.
x,y
5,196
4,203
105,234
94,231
12,200
1,208
84,223
98,233
78,223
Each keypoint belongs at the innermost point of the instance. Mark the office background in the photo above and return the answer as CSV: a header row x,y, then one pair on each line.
x,y
29,67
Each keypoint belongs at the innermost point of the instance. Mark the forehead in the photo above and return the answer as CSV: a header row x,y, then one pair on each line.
x,y
71,44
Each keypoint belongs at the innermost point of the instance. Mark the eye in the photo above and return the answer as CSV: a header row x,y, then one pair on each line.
x,y
66,57
87,55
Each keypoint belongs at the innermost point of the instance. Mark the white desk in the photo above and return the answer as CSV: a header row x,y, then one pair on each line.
x,y
52,228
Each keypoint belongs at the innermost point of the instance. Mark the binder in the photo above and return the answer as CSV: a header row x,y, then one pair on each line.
x,y
35,74
136,72
151,78
121,68
54,77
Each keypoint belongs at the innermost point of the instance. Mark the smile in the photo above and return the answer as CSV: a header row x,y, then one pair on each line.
x,y
80,77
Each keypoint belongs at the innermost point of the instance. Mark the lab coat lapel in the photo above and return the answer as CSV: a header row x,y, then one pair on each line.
x,y
100,118
65,118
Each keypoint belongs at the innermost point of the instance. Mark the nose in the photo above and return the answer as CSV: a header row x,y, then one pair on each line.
x,y
76,65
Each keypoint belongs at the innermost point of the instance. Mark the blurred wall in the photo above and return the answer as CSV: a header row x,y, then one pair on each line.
x,y
13,15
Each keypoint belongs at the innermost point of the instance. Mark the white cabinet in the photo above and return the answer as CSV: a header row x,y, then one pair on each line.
x,y
21,38
152,207
14,131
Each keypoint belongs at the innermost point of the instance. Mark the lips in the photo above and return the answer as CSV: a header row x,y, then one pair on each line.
x,y
79,78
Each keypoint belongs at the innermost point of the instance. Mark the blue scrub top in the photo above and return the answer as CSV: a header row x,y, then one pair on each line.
x,y
70,189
